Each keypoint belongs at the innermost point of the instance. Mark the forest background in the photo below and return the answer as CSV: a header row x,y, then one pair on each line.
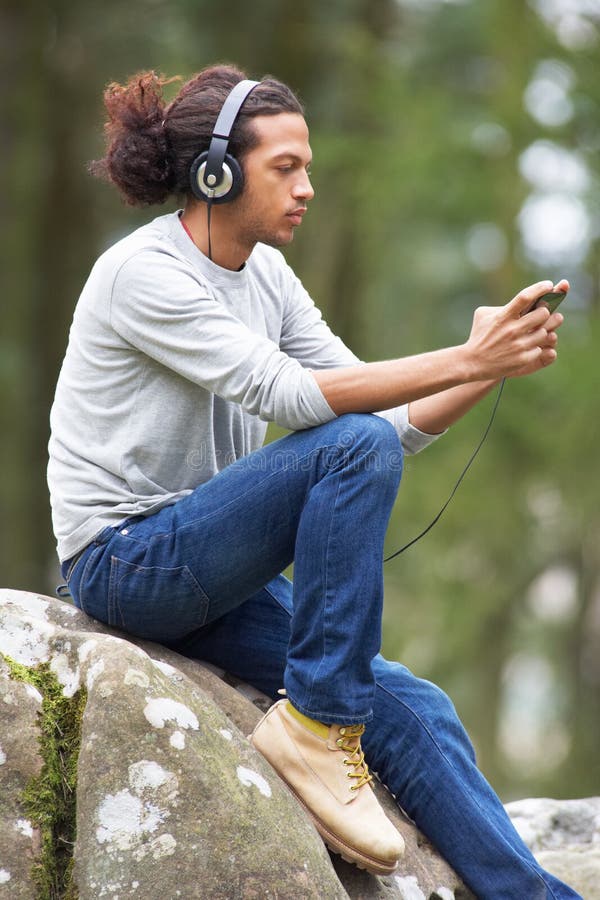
x,y
456,150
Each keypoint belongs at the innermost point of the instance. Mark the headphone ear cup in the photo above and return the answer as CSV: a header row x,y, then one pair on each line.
x,y
230,186
196,183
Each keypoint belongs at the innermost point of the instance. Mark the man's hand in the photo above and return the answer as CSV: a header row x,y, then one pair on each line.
x,y
509,340
443,384
552,323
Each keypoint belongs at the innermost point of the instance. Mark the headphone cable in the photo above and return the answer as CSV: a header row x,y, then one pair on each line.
x,y
209,205
460,478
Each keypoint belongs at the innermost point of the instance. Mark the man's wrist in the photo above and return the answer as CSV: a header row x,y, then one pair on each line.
x,y
464,365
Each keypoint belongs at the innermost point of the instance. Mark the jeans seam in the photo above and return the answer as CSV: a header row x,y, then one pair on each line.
x,y
113,607
84,576
325,602
449,762
74,563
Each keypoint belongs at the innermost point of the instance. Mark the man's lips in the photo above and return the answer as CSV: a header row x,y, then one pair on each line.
x,y
296,215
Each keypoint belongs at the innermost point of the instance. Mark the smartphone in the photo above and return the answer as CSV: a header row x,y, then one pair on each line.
x,y
551,300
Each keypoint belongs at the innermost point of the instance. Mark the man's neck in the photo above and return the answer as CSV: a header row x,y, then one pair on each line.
x,y
226,251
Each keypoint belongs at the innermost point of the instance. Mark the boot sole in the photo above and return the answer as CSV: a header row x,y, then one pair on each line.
x,y
369,863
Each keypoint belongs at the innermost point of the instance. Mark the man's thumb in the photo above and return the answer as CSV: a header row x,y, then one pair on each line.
x,y
526,298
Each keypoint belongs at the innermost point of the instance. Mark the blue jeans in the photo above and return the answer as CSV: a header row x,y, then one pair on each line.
x,y
202,576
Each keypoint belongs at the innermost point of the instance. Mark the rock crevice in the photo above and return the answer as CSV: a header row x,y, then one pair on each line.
x,y
49,796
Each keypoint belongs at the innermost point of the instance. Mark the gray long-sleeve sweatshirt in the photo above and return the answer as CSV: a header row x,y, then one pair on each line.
x,y
173,368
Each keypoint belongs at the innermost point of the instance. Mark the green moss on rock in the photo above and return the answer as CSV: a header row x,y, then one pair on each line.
x,y
50,797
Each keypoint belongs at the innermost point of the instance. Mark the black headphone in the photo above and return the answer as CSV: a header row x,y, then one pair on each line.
x,y
215,175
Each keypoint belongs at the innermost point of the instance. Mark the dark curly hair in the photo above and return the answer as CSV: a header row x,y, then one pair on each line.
x,y
151,145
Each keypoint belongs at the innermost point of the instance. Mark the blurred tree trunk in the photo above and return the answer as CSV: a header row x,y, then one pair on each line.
x,y
47,215
63,225
25,171
583,668
57,58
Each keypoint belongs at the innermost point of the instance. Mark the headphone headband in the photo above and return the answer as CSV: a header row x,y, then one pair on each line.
x,y
213,172
230,109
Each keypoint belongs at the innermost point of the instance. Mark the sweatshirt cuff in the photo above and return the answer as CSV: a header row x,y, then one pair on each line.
x,y
413,440
315,400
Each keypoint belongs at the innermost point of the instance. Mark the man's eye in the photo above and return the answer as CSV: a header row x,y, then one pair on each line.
x,y
284,168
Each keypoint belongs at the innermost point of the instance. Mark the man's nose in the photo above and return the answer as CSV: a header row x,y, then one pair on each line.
x,y
303,189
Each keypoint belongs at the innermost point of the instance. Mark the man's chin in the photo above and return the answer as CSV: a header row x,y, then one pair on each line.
x,y
279,240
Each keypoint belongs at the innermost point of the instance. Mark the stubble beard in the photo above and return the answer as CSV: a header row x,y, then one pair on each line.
x,y
253,229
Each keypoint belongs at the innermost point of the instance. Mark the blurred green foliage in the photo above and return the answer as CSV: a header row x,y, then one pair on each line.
x,y
420,116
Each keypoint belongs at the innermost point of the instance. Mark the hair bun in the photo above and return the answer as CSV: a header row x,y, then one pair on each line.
x,y
138,158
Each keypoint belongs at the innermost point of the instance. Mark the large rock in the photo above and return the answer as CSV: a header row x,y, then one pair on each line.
x,y
564,835
172,801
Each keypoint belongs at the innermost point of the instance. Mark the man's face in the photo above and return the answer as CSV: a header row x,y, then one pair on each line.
x,y
277,187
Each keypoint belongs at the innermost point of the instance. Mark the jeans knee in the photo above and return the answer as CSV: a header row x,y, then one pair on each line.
x,y
376,438
444,718
419,709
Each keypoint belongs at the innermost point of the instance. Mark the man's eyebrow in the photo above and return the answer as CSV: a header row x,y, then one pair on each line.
x,y
292,156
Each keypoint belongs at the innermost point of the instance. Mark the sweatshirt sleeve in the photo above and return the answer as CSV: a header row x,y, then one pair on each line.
x,y
307,337
159,308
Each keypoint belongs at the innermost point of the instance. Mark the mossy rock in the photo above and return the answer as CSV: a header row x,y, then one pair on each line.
x,y
171,799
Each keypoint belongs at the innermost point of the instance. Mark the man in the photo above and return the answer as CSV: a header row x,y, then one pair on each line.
x,y
174,523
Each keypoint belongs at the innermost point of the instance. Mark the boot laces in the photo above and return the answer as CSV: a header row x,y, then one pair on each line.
x,y
349,742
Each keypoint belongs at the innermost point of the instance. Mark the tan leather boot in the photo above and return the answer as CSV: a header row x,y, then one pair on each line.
x,y
324,767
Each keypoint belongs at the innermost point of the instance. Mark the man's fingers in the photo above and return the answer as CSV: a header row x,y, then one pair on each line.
x,y
536,338
548,356
527,297
554,322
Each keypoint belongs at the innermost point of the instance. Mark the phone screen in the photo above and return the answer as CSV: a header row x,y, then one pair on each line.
x,y
551,300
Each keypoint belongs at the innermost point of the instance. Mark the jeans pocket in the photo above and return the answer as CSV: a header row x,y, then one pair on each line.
x,y
154,602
